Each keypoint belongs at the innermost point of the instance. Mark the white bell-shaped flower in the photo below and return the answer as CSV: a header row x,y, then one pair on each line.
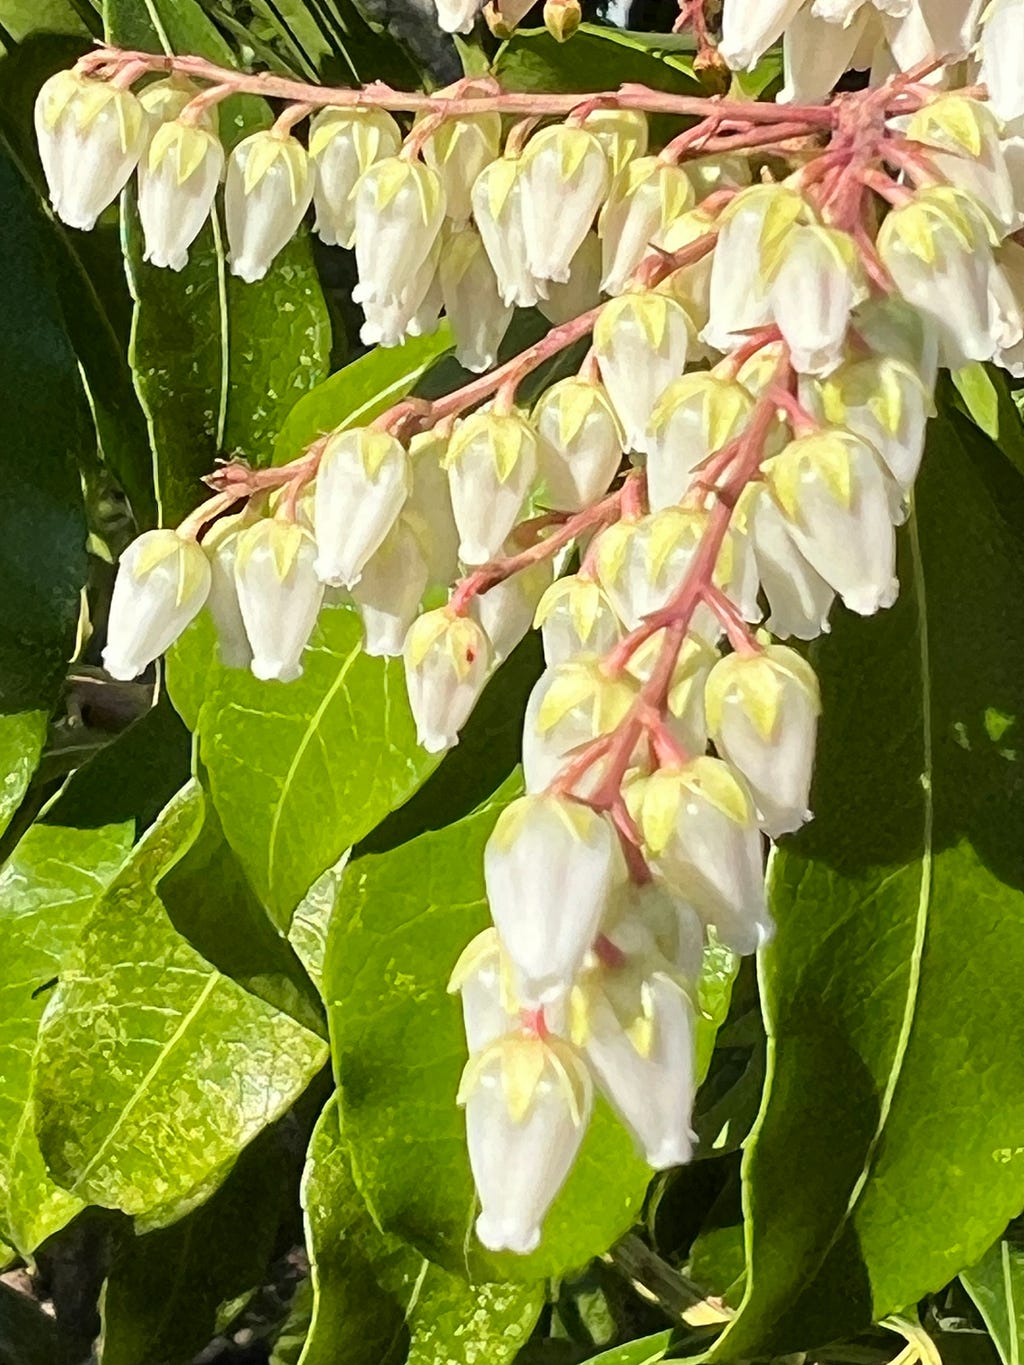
x,y
963,141
576,616
622,133
498,212
836,497
646,1064
1002,57
269,187
413,311
933,31
506,611
763,717
571,705
721,171
581,291
565,179
458,150
528,1102
643,564
690,285
492,464
1010,284
816,52
221,547
938,250
892,327
390,588
750,27
167,99
673,928
798,597
483,980
91,136
642,342
685,716
700,829
752,226
279,595
343,143
550,866
447,664
882,400
162,582
816,283
648,196
696,416
430,506
399,209
580,447
178,179
361,486
457,16
478,315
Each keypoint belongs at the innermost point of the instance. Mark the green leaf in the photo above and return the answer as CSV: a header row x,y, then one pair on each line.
x,y
376,1300
307,932
887,1153
22,736
361,391
20,18
206,1266
984,394
302,771
153,1070
996,1284
398,1047
217,363
46,430
644,1351
47,889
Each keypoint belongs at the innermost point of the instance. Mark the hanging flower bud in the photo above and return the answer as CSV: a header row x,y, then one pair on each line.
x,y
550,867
562,18
685,717
430,504
936,31
221,547
648,196
817,51
816,282
575,616
492,463
709,174
475,309
399,209
651,921
498,212
696,416
389,590
643,564
700,829
570,706
938,250
962,137
447,664
799,598
457,16
1009,283
91,135
893,327
1002,57
642,1048
167,99
582,290
834,493
750,27
642,341
279,595
883,401
178,179
580,446
458,151
528,1102
565,180
161,585
690,285
413,311
361,486
763,716
482,978
506,611
343,144
622,133
269,187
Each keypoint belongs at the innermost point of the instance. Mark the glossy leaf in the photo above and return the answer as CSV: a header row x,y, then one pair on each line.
x,y
644,1351
887,1154
47,889
996,1284
22,736
398,1047
154,1070
217,363
24,17
376,1300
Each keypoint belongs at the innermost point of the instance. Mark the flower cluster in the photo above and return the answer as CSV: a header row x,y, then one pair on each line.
x,y
734,454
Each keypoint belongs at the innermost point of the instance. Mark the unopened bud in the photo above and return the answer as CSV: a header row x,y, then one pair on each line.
x,y
580,443
178,180
565,179
269,187
492,464
575,616
642,341
279,595
447,664
643,564
696,416
562,18
161,585
361,487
